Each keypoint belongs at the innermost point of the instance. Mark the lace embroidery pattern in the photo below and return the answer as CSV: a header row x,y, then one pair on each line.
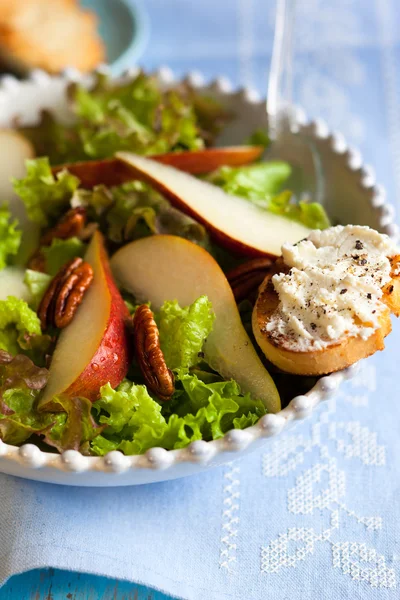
x,y
230,518
322,489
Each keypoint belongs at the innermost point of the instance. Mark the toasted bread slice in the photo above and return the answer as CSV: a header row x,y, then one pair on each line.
x,y
335,356
50,35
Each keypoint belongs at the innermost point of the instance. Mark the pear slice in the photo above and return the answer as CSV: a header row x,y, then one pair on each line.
x,y
15,149
94,348
112,171
234,222
166,267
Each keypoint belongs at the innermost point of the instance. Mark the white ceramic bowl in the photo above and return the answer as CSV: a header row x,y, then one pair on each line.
x,y
353,197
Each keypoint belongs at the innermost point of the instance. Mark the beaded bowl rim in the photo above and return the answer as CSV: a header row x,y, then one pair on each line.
x,y
235,441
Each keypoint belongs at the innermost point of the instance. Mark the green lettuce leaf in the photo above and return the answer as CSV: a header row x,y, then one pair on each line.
x,y
259,137
74,427
135,422
133,211
216,407
172,221
20,383
96,200
183,331
54,139
37,283
311,214
258,182
10,236
20,331
211,116
136,115
131,415
45,196
261,183
60,252
17,321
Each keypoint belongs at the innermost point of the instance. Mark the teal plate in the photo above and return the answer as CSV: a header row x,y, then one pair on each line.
x,y
124,27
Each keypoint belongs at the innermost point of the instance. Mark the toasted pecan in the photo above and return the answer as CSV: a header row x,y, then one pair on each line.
x,y
70,225
149,355
65,293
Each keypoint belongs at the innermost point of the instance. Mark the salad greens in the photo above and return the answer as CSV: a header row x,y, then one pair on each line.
x,y
137,116
44,195
17,322
20,385
262,184
135,422
20,330
37,283
60,252
183,331
10,236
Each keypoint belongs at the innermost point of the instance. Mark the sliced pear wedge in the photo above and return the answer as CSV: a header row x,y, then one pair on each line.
x,y
166,267
94,348
234,222
15,149
112,171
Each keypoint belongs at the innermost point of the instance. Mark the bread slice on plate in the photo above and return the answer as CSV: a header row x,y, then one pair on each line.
x,y
322,353
49,35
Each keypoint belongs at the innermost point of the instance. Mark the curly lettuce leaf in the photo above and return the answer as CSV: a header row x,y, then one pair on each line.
x,y
96,200
60,252
135,115
131,415
74,427
37,283
134,210
216,407
183,331
10,236
211,116
132,213
135,422
254,182
17,321
259,137
20,383
172,221
311,214
261,183
45,196
54,139
20,330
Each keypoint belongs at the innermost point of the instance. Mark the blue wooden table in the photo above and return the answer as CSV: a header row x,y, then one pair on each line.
x,y
62,585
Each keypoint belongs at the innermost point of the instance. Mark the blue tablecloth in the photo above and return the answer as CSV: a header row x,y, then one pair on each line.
x,y
315,513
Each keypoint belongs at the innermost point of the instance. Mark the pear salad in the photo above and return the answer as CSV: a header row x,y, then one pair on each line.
x,y
131,259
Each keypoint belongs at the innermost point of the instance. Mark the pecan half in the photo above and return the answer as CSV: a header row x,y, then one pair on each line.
x,y
70,225
246,278
65,293
149,355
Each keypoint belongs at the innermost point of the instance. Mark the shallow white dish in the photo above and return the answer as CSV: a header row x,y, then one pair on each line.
x,y
353,197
